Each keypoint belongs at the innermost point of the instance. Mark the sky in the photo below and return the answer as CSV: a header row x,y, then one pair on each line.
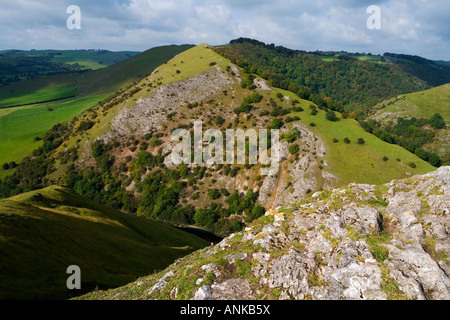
x,y
417,27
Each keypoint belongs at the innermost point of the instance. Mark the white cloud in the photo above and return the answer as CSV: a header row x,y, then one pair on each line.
x,y
301,24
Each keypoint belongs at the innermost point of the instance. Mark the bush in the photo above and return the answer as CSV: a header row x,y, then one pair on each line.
x,y
214,194
437,122
385,159
5,166
331,116
294,148
276,124
347,140
257,212
413,165
361,141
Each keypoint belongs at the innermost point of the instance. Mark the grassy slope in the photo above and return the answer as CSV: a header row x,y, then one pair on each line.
x,y
355,163
422,104
43,232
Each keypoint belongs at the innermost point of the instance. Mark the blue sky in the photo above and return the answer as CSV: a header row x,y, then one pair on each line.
x,y
420,27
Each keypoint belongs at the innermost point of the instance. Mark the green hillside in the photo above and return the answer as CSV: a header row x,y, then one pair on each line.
x,y
16,65
420,105
101,81
45,231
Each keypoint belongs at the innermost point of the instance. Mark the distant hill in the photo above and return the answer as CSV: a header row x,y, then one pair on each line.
x,y
352,80
97,82
16,65
419,105
45,231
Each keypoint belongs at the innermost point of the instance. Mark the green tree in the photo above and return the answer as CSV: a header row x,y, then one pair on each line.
x,y
294,148
437,122
331,116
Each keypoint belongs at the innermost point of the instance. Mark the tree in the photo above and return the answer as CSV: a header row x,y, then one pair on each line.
x,y
276,124
437,122
5,166
257,212
214,194
331,116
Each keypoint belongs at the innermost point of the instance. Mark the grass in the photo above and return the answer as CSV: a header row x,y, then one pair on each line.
x,y
43,232
355,163
422,104
39,96
19,128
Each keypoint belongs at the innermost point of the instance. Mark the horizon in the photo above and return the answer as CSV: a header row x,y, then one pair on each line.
x,y
173,44
371,26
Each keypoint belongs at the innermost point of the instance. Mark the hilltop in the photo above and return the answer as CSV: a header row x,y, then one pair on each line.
x,y
361,242
45,231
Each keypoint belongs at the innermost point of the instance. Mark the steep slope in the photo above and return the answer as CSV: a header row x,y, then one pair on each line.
x,y
360,242
44,232
120,152
424,104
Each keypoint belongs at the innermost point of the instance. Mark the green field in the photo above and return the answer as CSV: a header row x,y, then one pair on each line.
x,y
39,96
43,232
20,126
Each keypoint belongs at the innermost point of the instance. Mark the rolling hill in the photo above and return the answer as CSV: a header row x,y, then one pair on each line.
x,y
43,232
16,65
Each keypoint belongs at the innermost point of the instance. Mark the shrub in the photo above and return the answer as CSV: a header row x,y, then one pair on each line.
x,y
347,140
385,159
294,148
437,122
5,166
276,124
361,141
413,165
214,194
331,116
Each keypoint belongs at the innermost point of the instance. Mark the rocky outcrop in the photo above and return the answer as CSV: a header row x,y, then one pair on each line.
x,y
360,242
